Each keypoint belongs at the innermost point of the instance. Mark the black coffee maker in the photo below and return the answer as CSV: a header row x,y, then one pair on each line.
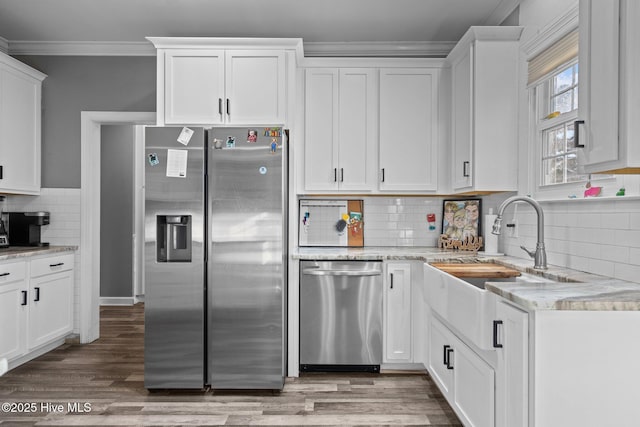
x,y
24,228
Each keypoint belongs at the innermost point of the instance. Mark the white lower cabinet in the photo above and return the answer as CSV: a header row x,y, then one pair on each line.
x,y
511,340
465,379
13,309
397,314
36,305
51,299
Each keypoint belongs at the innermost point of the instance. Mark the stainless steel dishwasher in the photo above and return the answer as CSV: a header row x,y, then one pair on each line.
x,y
340,316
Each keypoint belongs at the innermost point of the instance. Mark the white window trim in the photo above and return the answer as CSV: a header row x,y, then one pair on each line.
x,y
556,30
562,191
543,97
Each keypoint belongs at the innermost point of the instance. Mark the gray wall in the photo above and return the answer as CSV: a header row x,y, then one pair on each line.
x,y
116,210
85,83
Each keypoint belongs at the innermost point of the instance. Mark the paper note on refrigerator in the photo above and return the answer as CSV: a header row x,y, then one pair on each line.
x,y
185,136
177,163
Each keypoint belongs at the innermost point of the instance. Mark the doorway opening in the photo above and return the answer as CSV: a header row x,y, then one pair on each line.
x,y
89,292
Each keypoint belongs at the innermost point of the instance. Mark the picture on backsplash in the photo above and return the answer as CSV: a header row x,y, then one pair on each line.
x,y
461,218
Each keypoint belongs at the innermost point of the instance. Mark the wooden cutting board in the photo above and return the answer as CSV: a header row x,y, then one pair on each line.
x,y
489,270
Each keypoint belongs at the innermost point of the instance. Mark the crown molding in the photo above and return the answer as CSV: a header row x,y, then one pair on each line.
x,y
249,43
379,49
502,12
4,45
74,48
408,49
561,26
370,62
485,33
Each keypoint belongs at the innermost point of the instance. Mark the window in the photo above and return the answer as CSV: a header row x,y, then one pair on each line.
x,y
558,109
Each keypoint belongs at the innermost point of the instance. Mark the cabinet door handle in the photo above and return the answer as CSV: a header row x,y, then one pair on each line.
x,y
445,359
228,107
220,106
341,175
382,174
24,298
495,333
56,265
576,133
391,276
4,274
465,168
37,298
335,174
1,171
449,351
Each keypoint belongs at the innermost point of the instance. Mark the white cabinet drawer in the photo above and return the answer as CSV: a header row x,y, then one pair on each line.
x,y
54,264
12,272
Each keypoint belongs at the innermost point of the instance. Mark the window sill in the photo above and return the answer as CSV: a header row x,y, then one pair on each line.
x,y
587,199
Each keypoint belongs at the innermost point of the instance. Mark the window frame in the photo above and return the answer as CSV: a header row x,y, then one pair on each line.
x,y
544,102
539,108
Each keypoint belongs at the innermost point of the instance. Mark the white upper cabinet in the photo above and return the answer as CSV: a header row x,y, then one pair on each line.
x,y
409,129
194,86
340,133
609,89
20,121
255,87
209,81
484,109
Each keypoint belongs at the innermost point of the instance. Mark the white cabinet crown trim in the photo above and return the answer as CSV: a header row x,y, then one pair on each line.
x,y
24,68
246,43
551,33
426,49
477,33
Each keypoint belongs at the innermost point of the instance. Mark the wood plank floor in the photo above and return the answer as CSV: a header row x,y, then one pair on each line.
x,y
107,376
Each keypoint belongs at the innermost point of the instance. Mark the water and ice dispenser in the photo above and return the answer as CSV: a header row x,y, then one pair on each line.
x,y
173,238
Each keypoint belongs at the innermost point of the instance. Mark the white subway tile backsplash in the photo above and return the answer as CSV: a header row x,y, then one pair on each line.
x,y
618,221
401,221
588,220
628,238
585,250
630,272
634,256
596,236
604,236
634,221
615,253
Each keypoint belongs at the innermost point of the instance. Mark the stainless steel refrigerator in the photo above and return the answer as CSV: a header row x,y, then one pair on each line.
x,y
215,257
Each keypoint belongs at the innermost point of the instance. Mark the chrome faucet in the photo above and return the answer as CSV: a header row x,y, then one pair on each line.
x,y
540,255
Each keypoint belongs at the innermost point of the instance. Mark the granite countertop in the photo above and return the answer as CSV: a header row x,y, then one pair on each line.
x,y
382,253
568,290
13,252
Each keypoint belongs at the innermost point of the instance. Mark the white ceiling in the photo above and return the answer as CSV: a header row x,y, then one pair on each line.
x,y
26,22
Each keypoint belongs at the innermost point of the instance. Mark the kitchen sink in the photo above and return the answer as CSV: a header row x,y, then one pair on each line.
x,y
479,282
465,303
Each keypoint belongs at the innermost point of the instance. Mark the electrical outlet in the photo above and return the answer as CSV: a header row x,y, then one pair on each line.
x,y
512,226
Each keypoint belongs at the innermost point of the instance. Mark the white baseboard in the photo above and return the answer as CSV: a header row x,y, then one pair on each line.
x,y
117,300
4,366
36,353
402,367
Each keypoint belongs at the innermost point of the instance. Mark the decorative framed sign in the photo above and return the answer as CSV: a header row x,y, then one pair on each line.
x,y
461,219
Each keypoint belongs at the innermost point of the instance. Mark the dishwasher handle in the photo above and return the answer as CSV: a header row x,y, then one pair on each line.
x,y
317,272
